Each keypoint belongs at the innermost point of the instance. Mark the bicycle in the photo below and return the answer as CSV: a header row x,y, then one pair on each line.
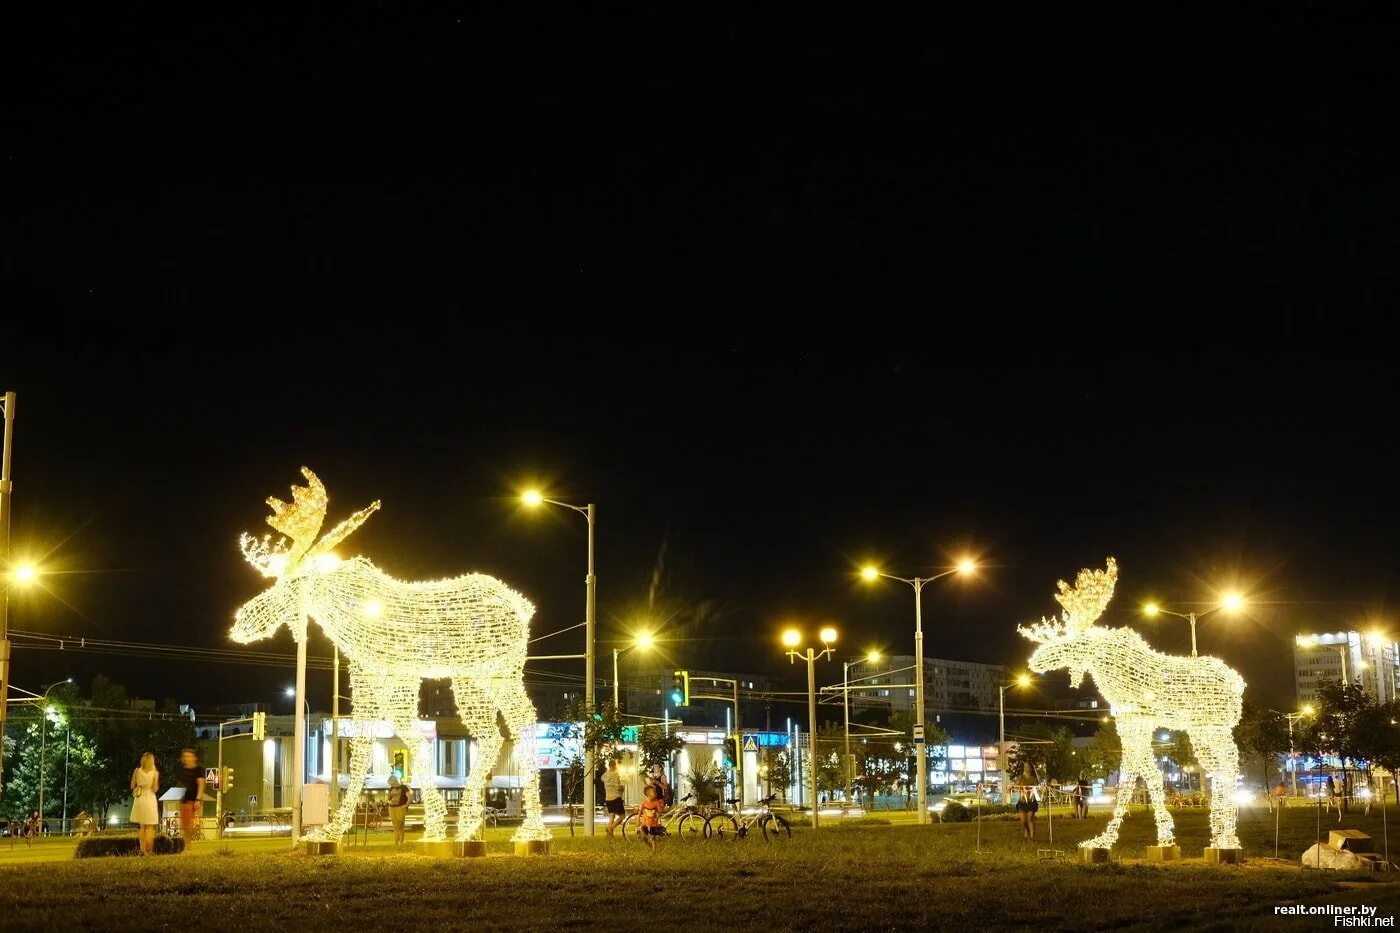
x,y
726,825
687,819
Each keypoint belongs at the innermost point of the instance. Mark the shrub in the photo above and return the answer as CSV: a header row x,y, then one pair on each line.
x,y
954,812
112,844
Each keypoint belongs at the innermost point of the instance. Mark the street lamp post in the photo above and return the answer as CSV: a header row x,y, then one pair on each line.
x,y
846,765
1022,680
1230,602
590,511
643,640
45,712
1292,756
921,758
791,639
5,489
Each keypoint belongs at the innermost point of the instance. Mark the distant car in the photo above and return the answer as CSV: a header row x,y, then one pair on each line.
x,y
966,800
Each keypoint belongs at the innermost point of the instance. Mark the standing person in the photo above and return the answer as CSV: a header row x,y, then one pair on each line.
x,y
192,804
1028,799
1333,798
145,787
657,778
399,799
649,814
1081,798
612,795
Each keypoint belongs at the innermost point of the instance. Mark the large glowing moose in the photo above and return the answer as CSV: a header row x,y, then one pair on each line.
x,y
1147,690
473,629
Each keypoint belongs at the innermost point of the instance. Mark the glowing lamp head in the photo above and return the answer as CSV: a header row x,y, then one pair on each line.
x,y
873,656
531,497
1376,639
645,640
1308,710
967,565
792,638
1150,609
1306,641
25,574
1023,680
827,635
869,572
1232,602
289,692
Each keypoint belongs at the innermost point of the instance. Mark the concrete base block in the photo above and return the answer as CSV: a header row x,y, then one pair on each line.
x,y
533,847
322,847
1093,856
440,848
1224,856
473,848
1164,853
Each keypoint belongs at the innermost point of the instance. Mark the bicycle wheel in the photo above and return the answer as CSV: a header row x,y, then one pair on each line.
x,y
629,827
721,825
775,827
691,827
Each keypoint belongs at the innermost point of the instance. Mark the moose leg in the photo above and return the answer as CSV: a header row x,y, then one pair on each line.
x,y
478,714
361,747
519,714
1215,746
1137,743
401,705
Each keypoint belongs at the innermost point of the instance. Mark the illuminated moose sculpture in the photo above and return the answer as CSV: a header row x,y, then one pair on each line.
x,y
473,629
1147,690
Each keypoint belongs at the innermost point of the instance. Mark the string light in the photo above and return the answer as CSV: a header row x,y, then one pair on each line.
x,y
472,629
1146,690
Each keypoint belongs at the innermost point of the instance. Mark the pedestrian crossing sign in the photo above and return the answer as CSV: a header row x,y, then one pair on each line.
x,y
750,743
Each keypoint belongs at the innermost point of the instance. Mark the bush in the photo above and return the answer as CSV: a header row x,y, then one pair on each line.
x,y
954,812
113,844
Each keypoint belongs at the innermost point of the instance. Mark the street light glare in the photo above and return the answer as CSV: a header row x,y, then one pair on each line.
x,y
1232,602
25,573
1151,609
1023,680
967,565
1308,710
289,692
792,637
873,656
827,635
645,640
1376,639
531,497
869,572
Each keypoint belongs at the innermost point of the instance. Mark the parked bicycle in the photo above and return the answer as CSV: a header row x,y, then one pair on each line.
x,y
729,825
684,820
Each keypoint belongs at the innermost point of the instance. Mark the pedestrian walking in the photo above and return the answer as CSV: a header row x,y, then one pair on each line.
x,y
612,796
1081,797
145,813
649,814
192,803
399,798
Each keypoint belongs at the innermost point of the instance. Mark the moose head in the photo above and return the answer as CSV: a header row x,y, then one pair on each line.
x,y
1069,641
294,564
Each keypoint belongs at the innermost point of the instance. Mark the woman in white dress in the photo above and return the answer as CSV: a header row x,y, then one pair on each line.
x,y
145,787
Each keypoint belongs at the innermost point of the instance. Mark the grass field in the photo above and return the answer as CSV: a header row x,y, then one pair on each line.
x,y
859,875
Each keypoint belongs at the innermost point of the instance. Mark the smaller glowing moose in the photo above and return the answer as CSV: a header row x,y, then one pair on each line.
x,y
473,629
1148,690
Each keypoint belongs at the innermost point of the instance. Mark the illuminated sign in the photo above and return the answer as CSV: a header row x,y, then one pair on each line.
x,y
767,739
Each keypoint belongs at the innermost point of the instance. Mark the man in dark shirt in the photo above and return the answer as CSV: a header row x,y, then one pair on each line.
x,y
192,804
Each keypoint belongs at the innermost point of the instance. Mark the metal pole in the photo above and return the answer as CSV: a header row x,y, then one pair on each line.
x,y
1342,650
219,797
1192,616
43,718
299,740
1292,760
615,654
921,766
590,618
846,699
6,487
335,729
738,750
1001,740
812,733
67,741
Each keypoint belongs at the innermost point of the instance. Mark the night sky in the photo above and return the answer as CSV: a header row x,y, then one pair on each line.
x,y
781,288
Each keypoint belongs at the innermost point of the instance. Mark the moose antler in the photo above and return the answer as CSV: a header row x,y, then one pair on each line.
x,y
300,520
1083,603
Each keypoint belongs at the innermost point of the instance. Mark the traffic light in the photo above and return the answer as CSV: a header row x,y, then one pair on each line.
x,y
680,688
259,726
731,752
226,780
397,770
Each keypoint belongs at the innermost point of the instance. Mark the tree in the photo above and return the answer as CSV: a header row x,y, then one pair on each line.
x,y
1338,729
1263,734
1380,739
707,782
654,746
1049,748
775,766
597,730
1105,752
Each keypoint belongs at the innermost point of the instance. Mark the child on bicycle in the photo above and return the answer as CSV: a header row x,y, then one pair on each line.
x,y
649,814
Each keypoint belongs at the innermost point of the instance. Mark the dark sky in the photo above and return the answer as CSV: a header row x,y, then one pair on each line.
x,y
781,287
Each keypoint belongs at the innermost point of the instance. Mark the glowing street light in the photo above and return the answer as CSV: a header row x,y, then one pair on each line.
x,y
25,574
791,639
1022,680
1231,602
643,641
870,573
533,498
1293,764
